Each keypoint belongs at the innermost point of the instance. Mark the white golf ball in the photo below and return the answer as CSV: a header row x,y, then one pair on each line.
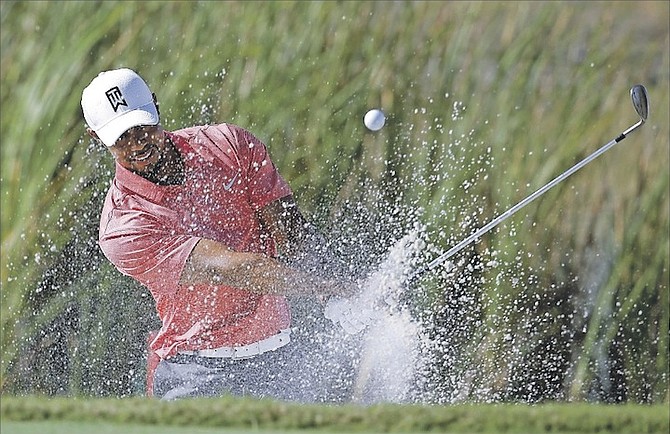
x,y
374,120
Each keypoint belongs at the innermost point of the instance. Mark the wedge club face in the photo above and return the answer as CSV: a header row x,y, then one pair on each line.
x,y
638,94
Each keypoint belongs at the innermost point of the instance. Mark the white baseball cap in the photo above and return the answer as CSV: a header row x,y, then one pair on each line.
x,y
116,101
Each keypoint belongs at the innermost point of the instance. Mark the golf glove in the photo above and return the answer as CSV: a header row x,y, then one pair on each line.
x,y
349,314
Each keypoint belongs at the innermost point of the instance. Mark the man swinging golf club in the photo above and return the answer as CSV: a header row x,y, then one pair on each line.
x,y
203,219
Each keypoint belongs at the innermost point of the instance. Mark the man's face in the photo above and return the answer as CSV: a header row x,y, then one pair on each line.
x,y
141,149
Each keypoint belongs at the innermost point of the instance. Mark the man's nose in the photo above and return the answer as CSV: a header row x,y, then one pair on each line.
x,y
138,146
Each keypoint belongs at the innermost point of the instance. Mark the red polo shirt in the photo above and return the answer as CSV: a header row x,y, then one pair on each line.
x,y
148,231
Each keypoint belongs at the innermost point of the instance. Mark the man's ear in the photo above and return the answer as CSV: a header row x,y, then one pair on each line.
x,y
95,137
93,134
158,110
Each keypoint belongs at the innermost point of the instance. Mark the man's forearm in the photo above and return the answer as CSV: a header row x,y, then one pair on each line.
x,y
299,242
212,262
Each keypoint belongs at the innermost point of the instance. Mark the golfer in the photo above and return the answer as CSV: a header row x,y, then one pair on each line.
x,y
202,218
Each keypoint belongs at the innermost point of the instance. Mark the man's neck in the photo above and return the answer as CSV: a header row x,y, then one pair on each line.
x,y
170,170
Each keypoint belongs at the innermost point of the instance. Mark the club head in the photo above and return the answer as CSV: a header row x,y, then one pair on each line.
x,y
638,94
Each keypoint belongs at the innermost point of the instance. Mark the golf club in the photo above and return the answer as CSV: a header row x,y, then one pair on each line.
x,y
638,94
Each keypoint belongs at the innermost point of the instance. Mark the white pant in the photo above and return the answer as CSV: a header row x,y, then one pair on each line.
x,y
302,371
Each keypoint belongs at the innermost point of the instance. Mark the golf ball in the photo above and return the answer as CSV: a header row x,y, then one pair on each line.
x,y
374,120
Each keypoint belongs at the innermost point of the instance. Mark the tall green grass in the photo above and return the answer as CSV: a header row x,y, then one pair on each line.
x,y
486,101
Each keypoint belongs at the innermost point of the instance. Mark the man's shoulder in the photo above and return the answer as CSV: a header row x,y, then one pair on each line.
x,y
221,141
200,131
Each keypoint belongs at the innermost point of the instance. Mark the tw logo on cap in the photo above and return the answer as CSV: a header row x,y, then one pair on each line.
x,y
115,98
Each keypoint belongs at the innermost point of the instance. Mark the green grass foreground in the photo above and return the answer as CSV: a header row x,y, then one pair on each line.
x,y
272,416
67,427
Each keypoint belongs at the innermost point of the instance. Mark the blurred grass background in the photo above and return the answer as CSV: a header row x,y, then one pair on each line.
x,y
486,102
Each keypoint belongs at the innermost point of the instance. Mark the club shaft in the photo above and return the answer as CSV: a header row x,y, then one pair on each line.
x,y
502,217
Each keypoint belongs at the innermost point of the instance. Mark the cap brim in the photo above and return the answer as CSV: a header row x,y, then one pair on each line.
x,y
145,115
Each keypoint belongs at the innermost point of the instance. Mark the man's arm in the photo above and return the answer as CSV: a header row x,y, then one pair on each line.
x,y
214,262
304,248
299,243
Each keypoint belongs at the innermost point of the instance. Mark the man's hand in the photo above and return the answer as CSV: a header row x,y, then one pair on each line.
x,y
350,314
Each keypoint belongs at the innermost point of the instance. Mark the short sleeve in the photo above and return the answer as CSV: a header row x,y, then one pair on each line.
x,y
142,247
238,149
264,181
